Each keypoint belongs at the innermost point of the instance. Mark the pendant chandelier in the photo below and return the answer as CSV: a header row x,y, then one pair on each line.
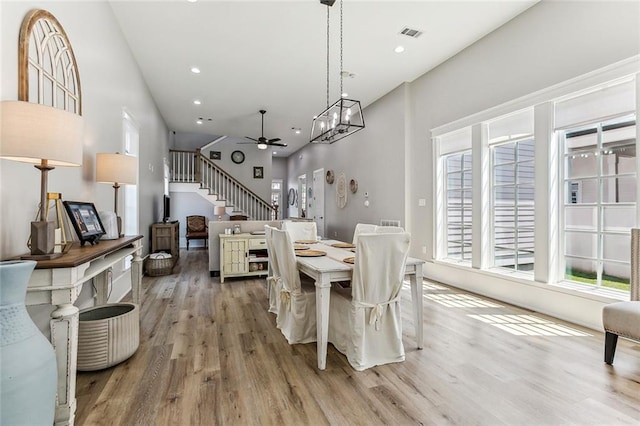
x,y
344,117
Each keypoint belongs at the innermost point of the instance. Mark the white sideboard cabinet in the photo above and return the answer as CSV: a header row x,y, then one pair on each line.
x,y
243,255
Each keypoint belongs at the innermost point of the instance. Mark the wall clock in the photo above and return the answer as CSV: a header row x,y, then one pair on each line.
x,y
237,157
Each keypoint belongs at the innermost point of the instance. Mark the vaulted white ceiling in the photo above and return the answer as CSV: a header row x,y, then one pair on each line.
x,y
272,55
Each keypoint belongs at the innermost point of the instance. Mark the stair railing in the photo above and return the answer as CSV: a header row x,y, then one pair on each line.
x,y
193,167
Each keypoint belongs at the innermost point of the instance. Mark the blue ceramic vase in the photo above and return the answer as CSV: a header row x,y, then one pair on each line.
x,y
28,370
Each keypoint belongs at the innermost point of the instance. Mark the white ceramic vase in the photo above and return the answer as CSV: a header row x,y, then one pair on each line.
x,y
28,371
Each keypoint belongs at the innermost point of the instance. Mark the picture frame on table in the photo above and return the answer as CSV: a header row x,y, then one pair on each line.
x,y
258,172
85,220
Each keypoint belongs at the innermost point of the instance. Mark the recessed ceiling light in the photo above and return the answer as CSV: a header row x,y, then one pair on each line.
x,y
197,102
399,49
345,94
275,153
195,70
297,130
199,122
192,1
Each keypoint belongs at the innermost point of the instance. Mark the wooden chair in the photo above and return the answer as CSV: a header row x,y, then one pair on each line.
x,y
197,229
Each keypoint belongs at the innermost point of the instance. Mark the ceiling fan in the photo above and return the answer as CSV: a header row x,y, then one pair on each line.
x,y
262,142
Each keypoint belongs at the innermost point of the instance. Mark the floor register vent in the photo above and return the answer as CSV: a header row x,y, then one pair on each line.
x,y
389,222
410,32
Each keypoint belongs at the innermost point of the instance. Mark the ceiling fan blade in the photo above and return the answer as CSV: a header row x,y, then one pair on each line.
x,y
277,144
246,143
273,140
252,139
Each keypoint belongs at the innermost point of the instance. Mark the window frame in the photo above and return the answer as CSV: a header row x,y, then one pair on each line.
x,y
600,205
516,185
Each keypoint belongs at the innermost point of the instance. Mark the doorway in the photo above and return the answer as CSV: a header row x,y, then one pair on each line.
x,y
317,200
302,195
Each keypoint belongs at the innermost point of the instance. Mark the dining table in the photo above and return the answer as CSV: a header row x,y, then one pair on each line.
x,y
332,267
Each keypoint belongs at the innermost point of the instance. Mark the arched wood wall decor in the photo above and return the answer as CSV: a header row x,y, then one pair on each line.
x,y
47,68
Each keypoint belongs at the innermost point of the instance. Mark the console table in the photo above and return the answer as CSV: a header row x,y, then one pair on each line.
x,y
58,282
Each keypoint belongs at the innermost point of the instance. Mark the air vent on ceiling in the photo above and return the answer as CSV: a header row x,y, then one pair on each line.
x,y
410,32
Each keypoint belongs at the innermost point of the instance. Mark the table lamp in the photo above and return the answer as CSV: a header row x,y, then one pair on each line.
x,y
220,211
46,137
116,169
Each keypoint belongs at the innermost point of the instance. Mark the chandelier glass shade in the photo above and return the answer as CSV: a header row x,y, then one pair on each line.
x,y
340,120
344,117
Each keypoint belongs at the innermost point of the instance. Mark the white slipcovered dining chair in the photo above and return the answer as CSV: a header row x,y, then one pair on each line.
x,y
297,305
301,230
274,282
363,228
365,321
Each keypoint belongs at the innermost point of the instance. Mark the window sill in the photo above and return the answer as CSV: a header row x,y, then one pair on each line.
x,y
600,294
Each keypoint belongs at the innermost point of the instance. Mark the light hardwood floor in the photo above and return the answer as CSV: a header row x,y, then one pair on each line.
x,y
210,354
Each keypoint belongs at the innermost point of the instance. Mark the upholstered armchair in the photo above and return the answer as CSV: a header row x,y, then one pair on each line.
x,y
623,318
197,229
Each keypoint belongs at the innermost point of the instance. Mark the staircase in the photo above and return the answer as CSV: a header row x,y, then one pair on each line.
x,y
192,171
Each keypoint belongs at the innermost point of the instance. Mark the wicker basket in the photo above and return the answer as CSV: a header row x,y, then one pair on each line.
x,y
159,264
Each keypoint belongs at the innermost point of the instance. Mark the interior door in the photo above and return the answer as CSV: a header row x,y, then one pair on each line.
x,y
318,200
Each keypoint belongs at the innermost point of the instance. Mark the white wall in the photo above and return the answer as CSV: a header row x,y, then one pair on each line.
x,y
253,157
374,156
110,82
546,45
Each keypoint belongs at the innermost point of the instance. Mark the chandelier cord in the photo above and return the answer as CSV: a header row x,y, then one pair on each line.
x,y
327,57
341,92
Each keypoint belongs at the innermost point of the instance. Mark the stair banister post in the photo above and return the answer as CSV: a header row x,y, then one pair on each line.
x,y
197,175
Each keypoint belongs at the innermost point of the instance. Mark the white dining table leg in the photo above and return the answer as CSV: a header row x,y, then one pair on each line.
x,y
416,298
323,293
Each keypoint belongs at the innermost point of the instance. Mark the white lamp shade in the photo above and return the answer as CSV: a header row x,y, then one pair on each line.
x,y
120,168
220,210
32,132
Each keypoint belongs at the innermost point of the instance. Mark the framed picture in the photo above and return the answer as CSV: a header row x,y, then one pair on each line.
x,y
215,155
258,172
85,220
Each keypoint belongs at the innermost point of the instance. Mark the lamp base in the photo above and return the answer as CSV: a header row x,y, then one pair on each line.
x,y
42,241
120,233
42,237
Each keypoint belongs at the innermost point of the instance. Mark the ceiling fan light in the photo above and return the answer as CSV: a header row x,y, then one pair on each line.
x,y
262,145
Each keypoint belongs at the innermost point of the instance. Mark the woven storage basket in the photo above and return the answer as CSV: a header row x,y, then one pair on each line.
x,y
107,335
159,264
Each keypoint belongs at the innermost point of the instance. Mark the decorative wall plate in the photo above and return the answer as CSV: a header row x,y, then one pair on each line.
x,y
341,190
353,186
330,177
292,196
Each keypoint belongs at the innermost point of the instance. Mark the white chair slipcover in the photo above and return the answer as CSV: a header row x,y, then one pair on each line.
x,y
297,305
274,282
300,230
363,228
365,322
